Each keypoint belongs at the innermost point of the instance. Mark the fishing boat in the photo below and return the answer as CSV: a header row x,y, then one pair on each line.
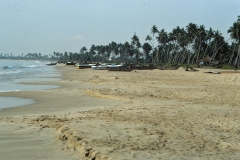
x,y
144,67
100,67
70,63
119,67
84,66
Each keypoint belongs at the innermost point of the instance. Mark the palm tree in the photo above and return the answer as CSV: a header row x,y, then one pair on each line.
x,y
175,37
202,38
149,38
146,50
162,40
154,30
126,48
114,48
232,49
192,32
83,50
235,35
92,52
83,55
135,43
218,41
209,38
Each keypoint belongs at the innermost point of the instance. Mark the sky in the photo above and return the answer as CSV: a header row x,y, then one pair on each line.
x,y
45,26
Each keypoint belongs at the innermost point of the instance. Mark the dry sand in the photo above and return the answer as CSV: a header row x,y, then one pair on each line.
x,y
155,114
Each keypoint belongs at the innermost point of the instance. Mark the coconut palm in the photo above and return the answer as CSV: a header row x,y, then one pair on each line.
x,y
202,39
235,35
162,39
192,32
135,43
154,30
218,41
146,50
92,52
209,38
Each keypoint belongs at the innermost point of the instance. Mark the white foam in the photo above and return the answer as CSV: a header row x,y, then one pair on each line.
x,y
11,72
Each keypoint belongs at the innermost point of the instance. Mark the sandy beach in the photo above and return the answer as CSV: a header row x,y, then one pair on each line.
x,y
142,114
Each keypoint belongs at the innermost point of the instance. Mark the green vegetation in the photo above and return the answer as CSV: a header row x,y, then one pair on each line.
x,y
180,46
29,56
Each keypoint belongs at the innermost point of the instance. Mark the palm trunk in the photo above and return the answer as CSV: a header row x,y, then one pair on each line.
x,y
158,55
230,60
176,58
220,46
183,57
169,55
205,51
188,61
198,50
213,55
238,57
161,57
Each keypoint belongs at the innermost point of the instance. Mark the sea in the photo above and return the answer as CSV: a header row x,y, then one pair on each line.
x,y
13,72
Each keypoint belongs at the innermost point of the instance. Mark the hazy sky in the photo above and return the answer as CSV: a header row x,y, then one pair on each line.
x,y
44,26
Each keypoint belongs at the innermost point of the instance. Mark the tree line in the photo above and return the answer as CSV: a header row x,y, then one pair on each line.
x,y
182,45
186,45
28,56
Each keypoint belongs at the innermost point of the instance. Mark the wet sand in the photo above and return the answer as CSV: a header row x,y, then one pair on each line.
x,y
155,114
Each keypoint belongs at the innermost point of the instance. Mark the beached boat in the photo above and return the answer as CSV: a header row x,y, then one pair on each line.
x,y
70,63
84,66
119,68
144,67
99,67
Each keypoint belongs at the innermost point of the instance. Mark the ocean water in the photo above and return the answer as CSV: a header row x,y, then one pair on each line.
x,y
13,72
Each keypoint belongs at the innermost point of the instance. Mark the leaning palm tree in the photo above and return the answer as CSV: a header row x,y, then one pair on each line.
x,y
202,38
192,34
209,38
218,42
235,35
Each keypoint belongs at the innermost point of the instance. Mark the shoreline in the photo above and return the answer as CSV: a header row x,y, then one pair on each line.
x,y
16,78
49,100
140,114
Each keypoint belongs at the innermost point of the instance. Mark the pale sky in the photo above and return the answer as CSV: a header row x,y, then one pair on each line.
x,y
44,26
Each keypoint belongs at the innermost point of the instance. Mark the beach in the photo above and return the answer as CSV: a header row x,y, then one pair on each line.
x,y
142,114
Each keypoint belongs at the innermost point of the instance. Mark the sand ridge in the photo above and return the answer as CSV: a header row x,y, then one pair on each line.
x,y
143,114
